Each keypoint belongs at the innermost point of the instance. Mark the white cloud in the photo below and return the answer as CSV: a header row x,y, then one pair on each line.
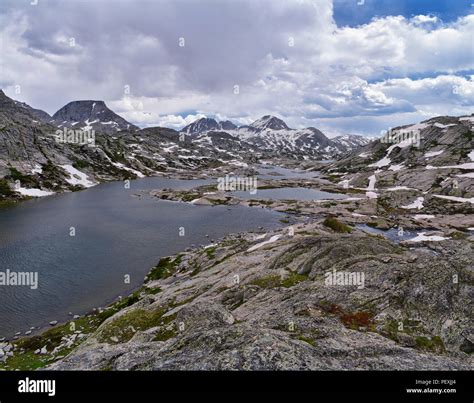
x,y
349,79
424,19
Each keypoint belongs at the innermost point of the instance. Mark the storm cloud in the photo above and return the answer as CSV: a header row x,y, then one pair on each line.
x,y
168,62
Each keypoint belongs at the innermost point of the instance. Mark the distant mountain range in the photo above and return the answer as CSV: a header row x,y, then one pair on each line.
x,y
31,156
268,135
272,135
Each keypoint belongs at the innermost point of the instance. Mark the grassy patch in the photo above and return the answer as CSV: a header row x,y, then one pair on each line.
x,y
125,326
5,190
308,340
458,235
80,164
435,344
187,197
336,225
25,180
292,279
392,328
165,268
274,281
165,334
24,357
267,282
211,252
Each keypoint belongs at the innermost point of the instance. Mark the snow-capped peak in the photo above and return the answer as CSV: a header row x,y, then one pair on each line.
x,y
89,114
269,122
204,125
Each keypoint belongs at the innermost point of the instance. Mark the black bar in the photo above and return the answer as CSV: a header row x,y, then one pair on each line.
x,y
138,386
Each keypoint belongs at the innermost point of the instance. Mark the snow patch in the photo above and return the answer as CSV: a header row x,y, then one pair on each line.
x,y
399,188
122,166
77,177
33,192
372,181
421,237
468,175
364,155
433,153
441,126
418,204
37,169
467,165
456,199
274,238
358,215
396,167
423,216
382,163
370,189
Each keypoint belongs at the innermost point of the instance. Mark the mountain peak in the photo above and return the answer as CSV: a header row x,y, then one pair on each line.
x,y
80,110
227,125
269,122
201,125
207,124
95,114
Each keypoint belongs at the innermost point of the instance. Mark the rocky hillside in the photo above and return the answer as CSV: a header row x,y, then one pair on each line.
x,y
40,115
263,302
33,163
350,142
419,167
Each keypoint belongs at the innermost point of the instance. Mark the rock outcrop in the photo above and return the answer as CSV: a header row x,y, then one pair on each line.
x,y
265,303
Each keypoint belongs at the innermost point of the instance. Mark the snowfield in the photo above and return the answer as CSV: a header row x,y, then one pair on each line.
x,y
33,192
77,177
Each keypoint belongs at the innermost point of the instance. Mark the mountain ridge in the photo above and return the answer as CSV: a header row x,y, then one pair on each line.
x,y
30,153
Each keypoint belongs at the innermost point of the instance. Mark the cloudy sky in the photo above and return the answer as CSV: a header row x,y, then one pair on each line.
x,y
344,66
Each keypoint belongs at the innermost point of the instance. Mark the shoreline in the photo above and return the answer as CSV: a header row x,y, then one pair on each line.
x,y
348,212
31,349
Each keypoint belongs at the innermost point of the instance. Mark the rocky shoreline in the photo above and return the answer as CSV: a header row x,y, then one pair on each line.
x,y
261,301
442,216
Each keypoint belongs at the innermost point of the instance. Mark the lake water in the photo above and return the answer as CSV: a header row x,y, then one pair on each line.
x,y
116,234
276,172
393,234
296,193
